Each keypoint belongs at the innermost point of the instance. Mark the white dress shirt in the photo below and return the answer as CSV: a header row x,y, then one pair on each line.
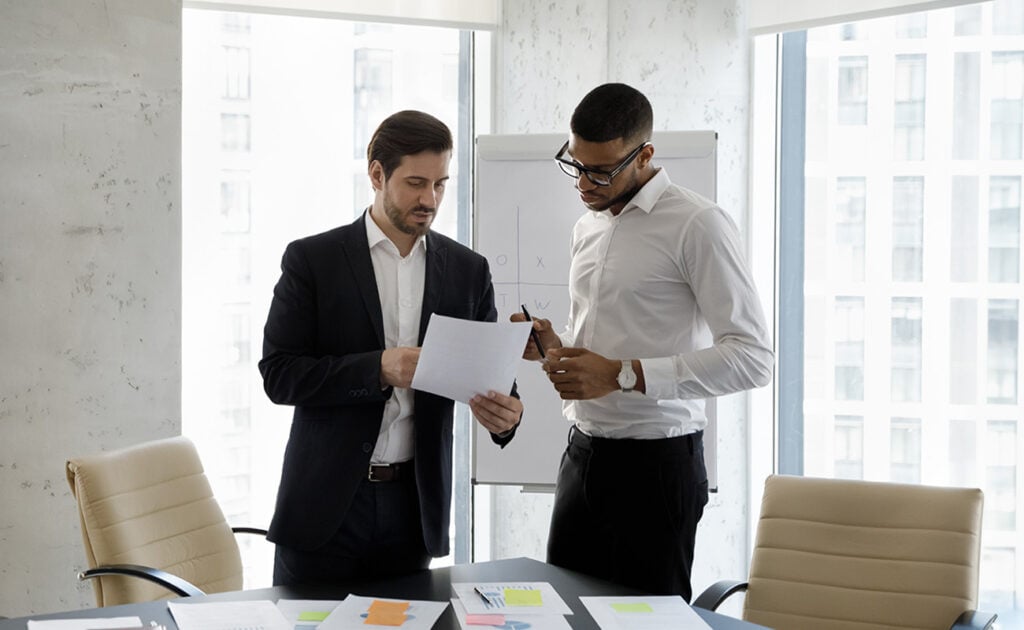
x,y
400,287
666,282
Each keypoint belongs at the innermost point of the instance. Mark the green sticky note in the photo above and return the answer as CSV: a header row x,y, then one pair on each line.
x,y
314,615
522,597
637,607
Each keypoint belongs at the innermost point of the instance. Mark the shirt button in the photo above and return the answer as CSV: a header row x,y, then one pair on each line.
x,y
406,303
367,447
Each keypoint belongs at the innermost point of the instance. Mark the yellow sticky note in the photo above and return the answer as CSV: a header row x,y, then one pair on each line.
x,y
313,615
522,597
633,607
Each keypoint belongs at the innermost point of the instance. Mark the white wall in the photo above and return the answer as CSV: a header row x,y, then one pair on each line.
x,y
691,58
90,265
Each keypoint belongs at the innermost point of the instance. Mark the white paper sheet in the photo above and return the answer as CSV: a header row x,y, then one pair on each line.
x,y
552,602
462,358
244,615
84,624
661,611
512,620
351,614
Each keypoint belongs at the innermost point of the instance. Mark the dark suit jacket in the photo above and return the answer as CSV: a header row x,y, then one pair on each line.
x,y
322,346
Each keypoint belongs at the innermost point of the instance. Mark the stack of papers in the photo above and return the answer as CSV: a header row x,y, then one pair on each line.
x,y
534,605
244,615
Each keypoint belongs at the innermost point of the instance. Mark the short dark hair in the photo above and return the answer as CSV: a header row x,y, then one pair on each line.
x,y
612,111
407,132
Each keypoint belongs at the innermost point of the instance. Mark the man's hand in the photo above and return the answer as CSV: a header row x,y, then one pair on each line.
x,y
496,412
548,337
580,374
397,365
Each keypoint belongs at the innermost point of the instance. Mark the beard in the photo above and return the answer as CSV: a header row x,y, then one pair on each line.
x,y
398,218
620,199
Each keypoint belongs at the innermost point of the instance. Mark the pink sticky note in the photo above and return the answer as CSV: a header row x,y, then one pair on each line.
x,y
485,620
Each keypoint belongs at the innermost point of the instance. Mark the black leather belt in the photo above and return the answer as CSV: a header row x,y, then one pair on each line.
x,y
390,472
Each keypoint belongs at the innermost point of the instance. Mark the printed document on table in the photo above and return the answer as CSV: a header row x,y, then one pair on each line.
x,y
524,598
461,358
355,614
84,624
246,615
644,612
503,620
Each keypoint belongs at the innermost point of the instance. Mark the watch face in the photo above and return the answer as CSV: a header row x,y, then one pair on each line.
x,y
627,377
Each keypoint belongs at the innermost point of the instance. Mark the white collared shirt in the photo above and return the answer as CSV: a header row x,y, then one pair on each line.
x,y
400,287
665,281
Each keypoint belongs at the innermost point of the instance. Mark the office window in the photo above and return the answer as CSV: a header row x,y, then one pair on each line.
x,y
850,227
942,274
907,229
963,448
236,72
849,372
963,351
967,20
1007,105
963,234
1001,475
1007,17
905,450
849,31
966,104
1003,339
908,114
234,132
1004,229
849,447
276,151
853,90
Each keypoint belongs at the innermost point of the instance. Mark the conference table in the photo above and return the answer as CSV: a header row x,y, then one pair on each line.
x,y
433,584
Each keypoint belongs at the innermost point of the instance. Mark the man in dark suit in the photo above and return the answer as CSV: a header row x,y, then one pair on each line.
x,y
366,482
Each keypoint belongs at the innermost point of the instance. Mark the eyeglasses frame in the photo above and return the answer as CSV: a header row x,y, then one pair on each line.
x,y
562,163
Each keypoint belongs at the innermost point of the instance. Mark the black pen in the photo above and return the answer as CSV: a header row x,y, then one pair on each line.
x,y
487,600
533,333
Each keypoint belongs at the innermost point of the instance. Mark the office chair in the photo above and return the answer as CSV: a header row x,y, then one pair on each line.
x,y
832,554
147,511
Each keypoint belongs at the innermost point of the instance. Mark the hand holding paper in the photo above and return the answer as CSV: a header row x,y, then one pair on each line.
x,y
463,358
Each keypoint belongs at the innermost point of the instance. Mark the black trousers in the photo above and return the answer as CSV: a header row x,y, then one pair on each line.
x,y
627,510
380,537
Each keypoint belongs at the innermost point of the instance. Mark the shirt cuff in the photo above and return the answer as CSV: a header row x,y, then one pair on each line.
x,y
659,378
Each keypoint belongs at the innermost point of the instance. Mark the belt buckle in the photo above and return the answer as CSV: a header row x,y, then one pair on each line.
x,y
370,476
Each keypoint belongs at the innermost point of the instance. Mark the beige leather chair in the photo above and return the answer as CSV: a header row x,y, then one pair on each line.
x,y
147,511
832,554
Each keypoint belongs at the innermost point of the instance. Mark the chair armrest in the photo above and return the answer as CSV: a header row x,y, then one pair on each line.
x,y
171,582
974,620
250,530
714,595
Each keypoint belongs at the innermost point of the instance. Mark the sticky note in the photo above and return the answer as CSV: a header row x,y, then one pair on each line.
x,y
313,615
633,607
522,597
485,620
386,613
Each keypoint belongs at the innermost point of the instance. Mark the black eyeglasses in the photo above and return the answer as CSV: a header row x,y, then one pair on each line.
x,y
574,169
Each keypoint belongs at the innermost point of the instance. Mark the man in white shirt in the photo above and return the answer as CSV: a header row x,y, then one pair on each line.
x,y
663,314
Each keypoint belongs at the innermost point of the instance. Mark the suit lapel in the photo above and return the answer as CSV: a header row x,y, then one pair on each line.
x,y
433,283
357,253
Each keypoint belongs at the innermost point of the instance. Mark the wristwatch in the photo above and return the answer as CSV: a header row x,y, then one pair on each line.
x,y
627,377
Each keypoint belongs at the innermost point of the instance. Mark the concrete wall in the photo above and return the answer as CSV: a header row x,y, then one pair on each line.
x,y
691,59
90,265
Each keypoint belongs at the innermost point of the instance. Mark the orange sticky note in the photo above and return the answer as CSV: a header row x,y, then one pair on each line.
x,y
386,613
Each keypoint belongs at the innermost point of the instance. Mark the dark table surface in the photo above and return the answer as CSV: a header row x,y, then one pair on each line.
x,y
434,584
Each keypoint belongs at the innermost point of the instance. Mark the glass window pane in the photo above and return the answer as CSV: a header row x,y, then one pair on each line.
x,y
908,115
966,104
963,234
905,450
1004,229
906,349
850,227
1003,337
849,348
853,90
907,229
963,457
849,447
963,351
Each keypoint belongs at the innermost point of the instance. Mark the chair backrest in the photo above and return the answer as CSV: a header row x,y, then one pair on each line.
x,y
849,555
151,504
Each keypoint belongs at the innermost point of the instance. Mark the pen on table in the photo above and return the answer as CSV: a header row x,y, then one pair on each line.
x,y
533,333
483,596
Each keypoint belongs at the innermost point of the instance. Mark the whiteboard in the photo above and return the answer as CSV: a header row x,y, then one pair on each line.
x,y
524,212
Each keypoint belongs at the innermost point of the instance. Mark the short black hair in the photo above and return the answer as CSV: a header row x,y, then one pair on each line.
x,y
407,132
612,111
